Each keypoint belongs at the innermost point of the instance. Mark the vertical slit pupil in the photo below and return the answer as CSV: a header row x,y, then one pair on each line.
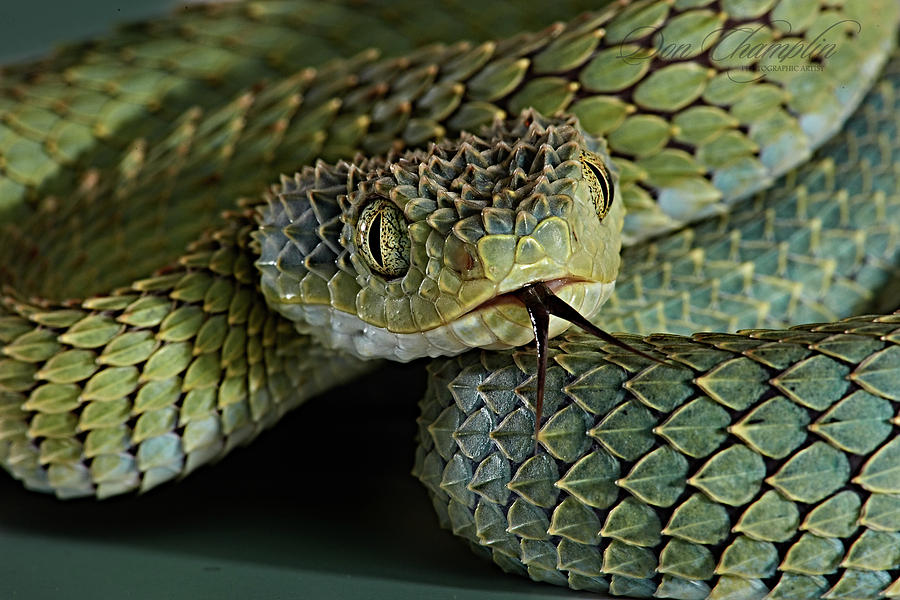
x,y
604,187
374,239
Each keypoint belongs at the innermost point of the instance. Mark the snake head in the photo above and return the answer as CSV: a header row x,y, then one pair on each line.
x,y
421,253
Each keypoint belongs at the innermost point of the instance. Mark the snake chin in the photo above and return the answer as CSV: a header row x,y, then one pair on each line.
x,y
498,324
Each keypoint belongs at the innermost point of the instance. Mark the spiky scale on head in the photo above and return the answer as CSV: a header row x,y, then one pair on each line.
x,y
483,216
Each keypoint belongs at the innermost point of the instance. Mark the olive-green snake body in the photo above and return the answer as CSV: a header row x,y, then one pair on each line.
x,y
747,192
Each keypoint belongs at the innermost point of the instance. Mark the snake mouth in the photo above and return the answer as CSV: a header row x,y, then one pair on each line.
x,y
507,318
513,297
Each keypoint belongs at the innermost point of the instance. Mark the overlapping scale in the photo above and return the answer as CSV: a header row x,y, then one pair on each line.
x,y
735,519
82,106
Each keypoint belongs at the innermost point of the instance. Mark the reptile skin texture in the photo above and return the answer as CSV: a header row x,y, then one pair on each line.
x,y
183,260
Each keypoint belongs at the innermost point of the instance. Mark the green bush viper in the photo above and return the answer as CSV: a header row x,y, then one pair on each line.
x,y
755,187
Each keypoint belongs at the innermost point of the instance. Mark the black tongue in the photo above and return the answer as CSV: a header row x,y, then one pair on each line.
x,y
532,297
540,303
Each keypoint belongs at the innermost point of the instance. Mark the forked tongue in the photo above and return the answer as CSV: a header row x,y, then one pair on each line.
x,y
540,303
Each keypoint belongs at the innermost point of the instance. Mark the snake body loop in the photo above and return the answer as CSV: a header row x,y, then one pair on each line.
x,y
758,464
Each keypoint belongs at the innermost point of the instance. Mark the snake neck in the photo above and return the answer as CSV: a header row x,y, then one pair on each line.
x,y
127,389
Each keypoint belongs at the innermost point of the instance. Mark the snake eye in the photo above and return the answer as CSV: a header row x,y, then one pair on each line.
x,y
383,239
599,183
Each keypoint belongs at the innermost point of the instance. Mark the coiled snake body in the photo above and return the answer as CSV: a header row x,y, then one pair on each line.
x,y
740,465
